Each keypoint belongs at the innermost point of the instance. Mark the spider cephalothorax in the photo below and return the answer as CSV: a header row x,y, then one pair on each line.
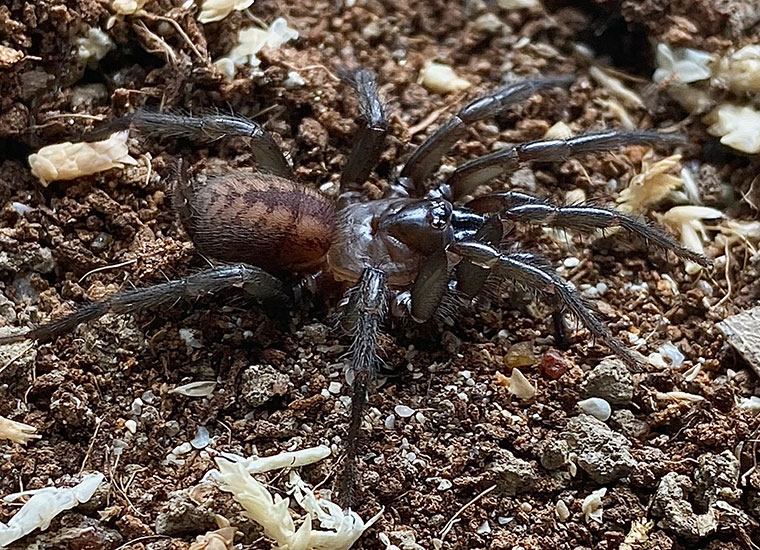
x,y
402,253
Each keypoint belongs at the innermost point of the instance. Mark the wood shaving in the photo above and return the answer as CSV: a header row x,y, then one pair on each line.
x,y
68,161
18,432
216,10
652,184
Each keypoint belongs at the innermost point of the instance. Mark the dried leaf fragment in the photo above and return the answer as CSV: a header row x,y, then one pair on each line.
x,y
68,161
18,432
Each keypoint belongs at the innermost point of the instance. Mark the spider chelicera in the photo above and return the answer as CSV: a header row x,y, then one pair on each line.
x,y
401,254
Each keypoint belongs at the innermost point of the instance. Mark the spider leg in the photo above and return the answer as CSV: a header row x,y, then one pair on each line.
x,y
252,279
205,128
430,152
366,309
534,273
519,207
470,175
373,125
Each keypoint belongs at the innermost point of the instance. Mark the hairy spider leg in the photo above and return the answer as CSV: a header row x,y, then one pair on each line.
x,y
522,208
365,312
465,179
533,273
373,127
203,128
254,280
430,152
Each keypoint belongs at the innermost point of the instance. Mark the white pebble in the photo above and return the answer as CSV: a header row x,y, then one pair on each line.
x,y
520,386
131,425
750,403
484,528
188,337
182,449
202,439
671,353
571,262
444,485
656,360
390,422
403,411
562,511
334,387
596,407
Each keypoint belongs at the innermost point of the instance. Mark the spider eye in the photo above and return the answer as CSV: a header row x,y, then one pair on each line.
x,y
439,216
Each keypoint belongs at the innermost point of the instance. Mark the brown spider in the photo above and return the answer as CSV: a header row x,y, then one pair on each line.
x,y
401,254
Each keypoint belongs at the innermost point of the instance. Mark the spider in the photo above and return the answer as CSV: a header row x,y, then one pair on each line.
x,y
399,255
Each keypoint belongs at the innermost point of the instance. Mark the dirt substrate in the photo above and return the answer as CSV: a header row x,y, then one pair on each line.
x,y
686,465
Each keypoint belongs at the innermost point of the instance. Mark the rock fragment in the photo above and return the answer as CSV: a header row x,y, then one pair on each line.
x,y
602,453
513,475
610,380
262,383
743,333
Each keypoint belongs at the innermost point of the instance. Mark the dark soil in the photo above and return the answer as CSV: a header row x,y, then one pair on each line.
x,y
80,390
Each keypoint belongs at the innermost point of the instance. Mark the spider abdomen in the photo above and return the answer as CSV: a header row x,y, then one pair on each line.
x,y
262,220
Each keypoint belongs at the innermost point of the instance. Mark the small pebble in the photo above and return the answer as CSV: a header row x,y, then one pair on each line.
x,y
131,425
656,360
390,422
520,386
596,407
672,354
334,387
484,528
571,262
202,439
562,511
403,411
554,364
444,485
750,403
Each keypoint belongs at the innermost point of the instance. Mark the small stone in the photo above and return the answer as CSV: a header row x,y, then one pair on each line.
x,y
262,383
403,411
596,407
182,516
554,364
520,386
131,425
520,355
201,439
603,454
513,475
390,422
562,511
610,380
742,331
334,387
571,262
190,338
